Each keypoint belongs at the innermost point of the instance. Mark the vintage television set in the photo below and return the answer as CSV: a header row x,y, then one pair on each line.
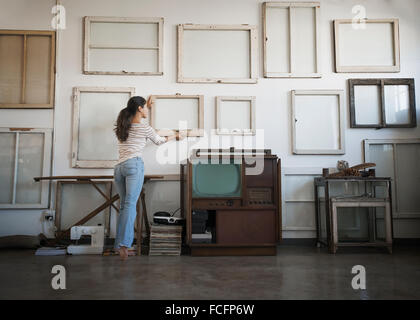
x,y
231,202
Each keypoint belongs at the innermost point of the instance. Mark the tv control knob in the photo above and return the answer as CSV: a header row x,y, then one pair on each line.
x,y
229,203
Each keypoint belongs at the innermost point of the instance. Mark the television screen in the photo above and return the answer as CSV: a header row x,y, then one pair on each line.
x,y
216,180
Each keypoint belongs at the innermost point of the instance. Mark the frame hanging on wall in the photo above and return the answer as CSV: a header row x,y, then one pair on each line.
x,y
168,112
127,46
291,39
318,122
372,45
235,115
398,159
382,103
95,111
27,69
26,153
217,53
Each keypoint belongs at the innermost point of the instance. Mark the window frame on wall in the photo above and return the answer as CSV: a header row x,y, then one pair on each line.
x,y
242,132
194,132
396,47
253,53
77,91
51,88
87,45
46,168
381,83
290,6
367,158
341,121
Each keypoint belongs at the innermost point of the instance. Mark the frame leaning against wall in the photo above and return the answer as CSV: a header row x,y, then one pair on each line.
x,y
267,40
366,68
77,91
381,83
239,131
44,170
25,73
123,20
397,212
193,132
253,53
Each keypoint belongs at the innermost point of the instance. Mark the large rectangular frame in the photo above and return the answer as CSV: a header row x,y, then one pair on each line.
x,y
75,135
219,101
25,34
46,167
196,132
290,6
382,83
366,145
396,48
253,44
340,95
87,46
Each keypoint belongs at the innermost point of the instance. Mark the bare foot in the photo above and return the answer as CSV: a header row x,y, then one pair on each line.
x,y
123,253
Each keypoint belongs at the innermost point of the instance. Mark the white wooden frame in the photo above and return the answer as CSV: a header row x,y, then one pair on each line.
x,y
290,6
46,167
195,132
222,131
253,77
396,48
76,163
87,45
366,144
340,94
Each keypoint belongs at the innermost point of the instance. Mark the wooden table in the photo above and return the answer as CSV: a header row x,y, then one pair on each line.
x,y
109,202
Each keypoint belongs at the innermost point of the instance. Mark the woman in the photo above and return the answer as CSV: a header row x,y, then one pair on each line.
x,y
129,171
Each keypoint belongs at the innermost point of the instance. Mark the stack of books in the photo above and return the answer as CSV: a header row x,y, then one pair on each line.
x,y
165,240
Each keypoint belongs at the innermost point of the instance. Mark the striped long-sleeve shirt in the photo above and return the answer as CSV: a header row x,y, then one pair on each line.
x,y
136,141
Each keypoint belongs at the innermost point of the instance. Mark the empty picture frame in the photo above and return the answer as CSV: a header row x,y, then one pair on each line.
x,y
382,103
27,69
398,159
95,112
75,199
235,115
127,46
318,121
25,154
217,53
291,39
372,45
170,113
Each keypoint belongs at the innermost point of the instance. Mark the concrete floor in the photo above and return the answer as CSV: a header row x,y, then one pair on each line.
x,y
297,272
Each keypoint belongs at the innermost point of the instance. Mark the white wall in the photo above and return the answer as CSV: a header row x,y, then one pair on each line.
x,y
273,95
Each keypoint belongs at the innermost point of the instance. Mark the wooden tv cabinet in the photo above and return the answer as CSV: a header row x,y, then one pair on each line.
x,y
246,225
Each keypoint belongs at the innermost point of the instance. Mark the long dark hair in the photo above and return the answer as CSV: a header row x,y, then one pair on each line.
x,y
126,116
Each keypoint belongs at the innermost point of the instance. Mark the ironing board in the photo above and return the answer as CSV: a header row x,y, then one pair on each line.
x,y
141,202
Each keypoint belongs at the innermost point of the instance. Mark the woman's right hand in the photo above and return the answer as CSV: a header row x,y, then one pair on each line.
x,y
149,102
181,135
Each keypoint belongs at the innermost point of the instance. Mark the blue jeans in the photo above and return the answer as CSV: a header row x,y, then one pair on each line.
x,y
128,177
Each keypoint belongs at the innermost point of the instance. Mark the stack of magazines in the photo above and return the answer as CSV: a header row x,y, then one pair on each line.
x,y
165,240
